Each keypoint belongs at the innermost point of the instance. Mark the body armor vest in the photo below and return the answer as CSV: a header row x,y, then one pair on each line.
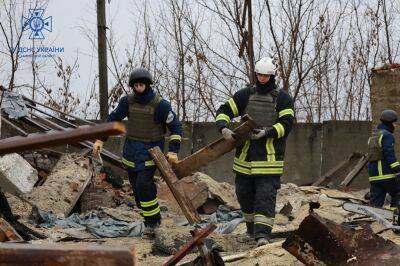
x,y
374,147
261,108
141,124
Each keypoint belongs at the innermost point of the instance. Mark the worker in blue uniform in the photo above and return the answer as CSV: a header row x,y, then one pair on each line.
x,y
149,115
383,167
258,162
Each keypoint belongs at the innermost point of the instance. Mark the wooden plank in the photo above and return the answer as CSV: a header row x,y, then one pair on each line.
x,y
59,138
213,151
333,170
171,179
354,172
8,232
55,255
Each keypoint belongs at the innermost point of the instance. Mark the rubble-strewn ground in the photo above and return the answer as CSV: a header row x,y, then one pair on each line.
x,y
292,207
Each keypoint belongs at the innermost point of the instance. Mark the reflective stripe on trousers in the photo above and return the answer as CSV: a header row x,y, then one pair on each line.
x,y
264,220
150,208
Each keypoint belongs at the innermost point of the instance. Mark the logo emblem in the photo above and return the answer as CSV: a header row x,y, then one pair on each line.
x,y
36,23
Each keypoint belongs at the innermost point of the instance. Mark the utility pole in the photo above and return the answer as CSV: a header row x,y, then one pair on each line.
x,y
250,48
247,41
102,55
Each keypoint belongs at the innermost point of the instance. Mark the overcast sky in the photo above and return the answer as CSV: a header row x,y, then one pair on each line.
x,y
69,20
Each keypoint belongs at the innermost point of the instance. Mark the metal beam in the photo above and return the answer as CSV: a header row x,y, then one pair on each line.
x,y
60,138
55,255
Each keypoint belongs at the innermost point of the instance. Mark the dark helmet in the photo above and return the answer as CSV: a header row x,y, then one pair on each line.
x,y
141,75
389,116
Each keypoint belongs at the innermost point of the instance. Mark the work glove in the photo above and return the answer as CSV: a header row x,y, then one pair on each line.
x,y
172,157
228,134
258,133
97,148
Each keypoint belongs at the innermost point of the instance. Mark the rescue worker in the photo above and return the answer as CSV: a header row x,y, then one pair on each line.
x,y
148,117
258,162
383,167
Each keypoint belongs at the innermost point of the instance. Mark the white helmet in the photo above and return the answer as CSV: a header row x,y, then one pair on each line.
x,y
265,66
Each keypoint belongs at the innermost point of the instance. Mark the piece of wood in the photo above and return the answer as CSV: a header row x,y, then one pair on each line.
x,y
184,203
354,172
170,178
59,138
198,236
213,151
333,170
253,253
9,232
57,255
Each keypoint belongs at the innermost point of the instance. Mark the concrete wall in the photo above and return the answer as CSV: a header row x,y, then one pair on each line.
x,y
303,154
311,150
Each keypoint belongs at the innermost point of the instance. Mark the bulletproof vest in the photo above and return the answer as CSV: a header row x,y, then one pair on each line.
x,y
261,107
375,152
141,124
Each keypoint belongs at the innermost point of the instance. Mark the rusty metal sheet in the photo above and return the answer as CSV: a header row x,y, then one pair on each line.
x,y
57,255
320,241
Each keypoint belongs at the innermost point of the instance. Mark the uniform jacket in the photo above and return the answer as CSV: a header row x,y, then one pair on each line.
x,y
135,154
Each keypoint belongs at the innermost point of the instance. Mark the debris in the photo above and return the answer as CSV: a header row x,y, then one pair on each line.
x,y
17,176
8,233
332,173
170,178
336,194
19,144
63,186
354,172
380,215
20,254
320,241
188,210
198,236
212,151
98,193
93,224
13,105
205,193
5,212
257,252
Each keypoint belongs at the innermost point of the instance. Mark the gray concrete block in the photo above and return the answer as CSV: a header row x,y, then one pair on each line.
x,y
17,176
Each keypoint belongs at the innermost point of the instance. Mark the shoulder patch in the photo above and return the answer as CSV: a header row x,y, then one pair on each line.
x,y
170,117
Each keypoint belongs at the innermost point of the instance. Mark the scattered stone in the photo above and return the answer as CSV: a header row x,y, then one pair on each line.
x,y
17,176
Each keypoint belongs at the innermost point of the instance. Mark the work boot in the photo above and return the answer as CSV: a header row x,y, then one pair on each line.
x,y
250,229
262,241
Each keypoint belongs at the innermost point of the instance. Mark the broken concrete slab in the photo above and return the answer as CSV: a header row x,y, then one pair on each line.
x,y
320,241
63,186
17,176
